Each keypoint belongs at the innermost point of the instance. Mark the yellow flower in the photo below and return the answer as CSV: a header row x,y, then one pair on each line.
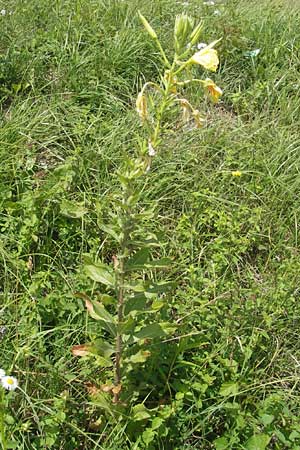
x,y
141,106
207,57
236,173
214,91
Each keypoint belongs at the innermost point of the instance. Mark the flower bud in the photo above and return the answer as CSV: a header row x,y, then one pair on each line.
x,y
195,35
182,29
148,26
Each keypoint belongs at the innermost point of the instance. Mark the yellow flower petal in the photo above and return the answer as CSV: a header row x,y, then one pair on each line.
x,y
214,91
207,57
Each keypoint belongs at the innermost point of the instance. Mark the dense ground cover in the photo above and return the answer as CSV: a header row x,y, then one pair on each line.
x,y
228,207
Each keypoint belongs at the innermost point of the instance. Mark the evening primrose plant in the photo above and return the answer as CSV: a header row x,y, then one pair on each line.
x,y
129,312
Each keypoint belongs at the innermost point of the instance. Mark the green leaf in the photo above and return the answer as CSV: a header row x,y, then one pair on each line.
x,y
169,328
258,442
155,330
107,299
221,443
157,422
229,388
102,400
294,435
137,303
140,257
156,288
267,419
140,412
148,436
104,362
104,348
139,261
100,273
72,209
98,312
100,348
157,305
159,263
12,444
127,326
150,332
140,357
109,229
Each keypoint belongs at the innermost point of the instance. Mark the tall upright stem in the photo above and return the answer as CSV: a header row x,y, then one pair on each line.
x,y
119,342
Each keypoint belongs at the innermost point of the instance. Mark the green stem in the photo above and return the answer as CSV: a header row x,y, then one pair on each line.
x,y
166,61
2,422
163,105
120,279
119,341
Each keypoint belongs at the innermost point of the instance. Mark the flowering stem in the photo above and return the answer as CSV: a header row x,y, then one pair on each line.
x,y
163,105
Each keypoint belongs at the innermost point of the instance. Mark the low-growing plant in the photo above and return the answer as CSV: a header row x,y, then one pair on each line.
x,y
7,383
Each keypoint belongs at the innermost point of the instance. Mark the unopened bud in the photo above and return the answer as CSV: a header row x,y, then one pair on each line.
x,y
196,33
148,26
182,28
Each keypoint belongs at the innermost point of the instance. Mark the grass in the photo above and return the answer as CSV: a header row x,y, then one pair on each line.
x,y
69,74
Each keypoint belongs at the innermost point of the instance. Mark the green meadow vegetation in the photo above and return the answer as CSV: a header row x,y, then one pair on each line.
x,y
149,274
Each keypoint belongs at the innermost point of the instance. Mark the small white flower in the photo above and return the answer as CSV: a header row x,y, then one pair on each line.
x,y
151,149
2,373
217,12
9,383
201,45
209,3
3,12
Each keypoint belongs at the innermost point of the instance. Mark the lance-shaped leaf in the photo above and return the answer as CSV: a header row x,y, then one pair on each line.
x,y
127,327
155,330
100,348
98,312
111,230
159,263
136,303
140,357
141,262
140,257
100,273
157,288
